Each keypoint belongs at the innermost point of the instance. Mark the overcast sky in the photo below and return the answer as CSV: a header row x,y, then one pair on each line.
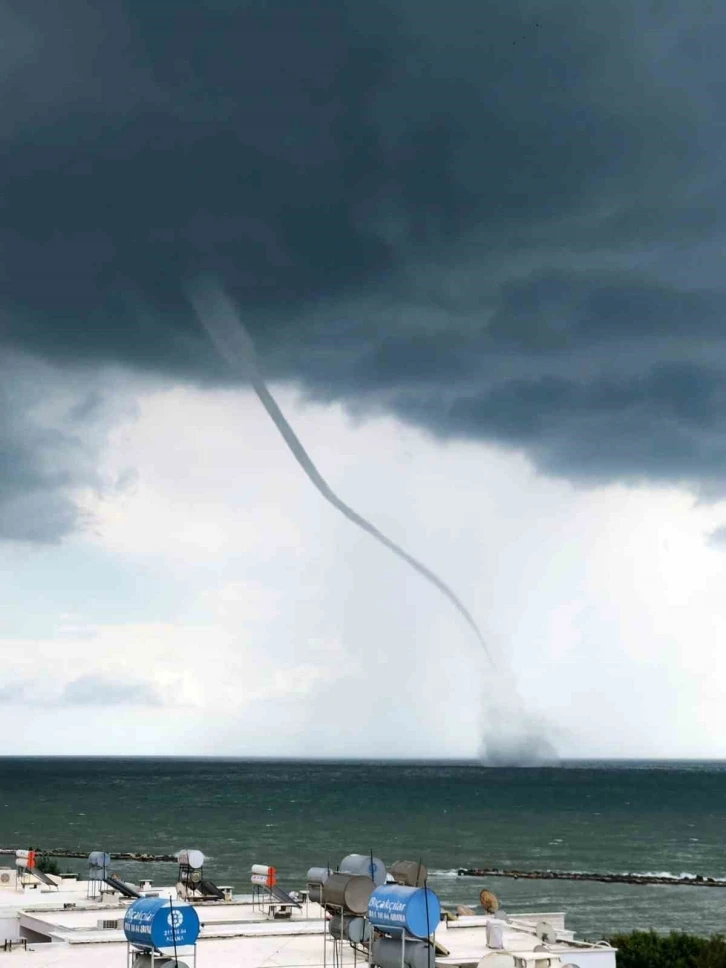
x,y
479,248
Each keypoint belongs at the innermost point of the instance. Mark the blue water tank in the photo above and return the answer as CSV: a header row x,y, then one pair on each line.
x,y
156,923
393,909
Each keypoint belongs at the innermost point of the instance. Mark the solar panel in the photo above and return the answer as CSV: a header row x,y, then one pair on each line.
x,y
42,877
209,889
283,896
122,888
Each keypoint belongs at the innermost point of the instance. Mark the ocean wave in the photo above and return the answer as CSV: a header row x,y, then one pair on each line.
x,y
685,875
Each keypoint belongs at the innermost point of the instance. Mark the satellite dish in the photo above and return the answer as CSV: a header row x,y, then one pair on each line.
x,y
545,932
541,947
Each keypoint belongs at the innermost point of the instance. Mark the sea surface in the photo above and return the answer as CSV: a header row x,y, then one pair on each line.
x,y
601,816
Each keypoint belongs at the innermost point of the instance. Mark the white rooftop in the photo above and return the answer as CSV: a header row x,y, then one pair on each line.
x,y
236,934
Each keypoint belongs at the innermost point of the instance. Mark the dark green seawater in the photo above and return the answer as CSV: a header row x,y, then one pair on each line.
x,y
640,817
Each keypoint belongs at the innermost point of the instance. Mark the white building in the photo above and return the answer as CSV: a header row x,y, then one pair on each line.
x,y
44,927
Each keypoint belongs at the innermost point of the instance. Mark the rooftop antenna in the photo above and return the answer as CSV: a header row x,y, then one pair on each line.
x,y
426,901
173,931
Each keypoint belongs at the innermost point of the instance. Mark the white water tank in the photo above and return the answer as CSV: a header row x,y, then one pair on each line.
x,y
348,891
391,953
366,866
191,858
495,935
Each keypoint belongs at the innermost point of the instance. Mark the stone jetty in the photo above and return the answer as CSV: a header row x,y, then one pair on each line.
x,y
689,880
83,854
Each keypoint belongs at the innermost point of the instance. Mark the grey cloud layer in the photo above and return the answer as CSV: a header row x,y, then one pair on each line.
x,y
499,221
85,690
41,462
52,427
89,690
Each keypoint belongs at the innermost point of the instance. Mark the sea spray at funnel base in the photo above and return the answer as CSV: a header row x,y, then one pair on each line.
x,y
220,319
511,734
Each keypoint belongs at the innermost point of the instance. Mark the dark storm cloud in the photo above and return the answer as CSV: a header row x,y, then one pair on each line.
x,y
34,502
500,221
39,463
51,429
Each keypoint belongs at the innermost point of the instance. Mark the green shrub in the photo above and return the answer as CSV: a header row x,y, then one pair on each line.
x,y
646,949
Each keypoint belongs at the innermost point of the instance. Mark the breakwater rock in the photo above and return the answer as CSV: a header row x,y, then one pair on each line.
x,y
689,880
114,855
